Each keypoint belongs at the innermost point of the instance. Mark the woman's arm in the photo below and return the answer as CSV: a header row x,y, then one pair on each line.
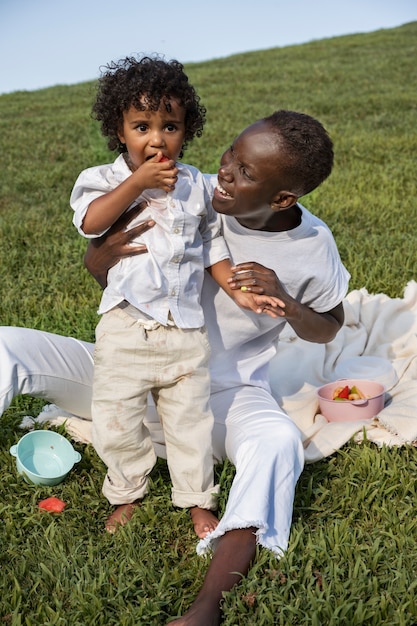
x,y
307,323
104,252
222,271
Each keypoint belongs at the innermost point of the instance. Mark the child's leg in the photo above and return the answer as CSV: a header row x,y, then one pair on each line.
x,y
121,516
123,366
183,404
204,521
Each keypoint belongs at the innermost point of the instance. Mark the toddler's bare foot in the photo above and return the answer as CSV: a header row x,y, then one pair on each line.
x,y
204,521
120,516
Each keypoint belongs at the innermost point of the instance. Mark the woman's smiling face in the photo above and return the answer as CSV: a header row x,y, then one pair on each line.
x,y
249,176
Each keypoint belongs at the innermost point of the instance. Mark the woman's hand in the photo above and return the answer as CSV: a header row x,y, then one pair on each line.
x,y
104,252
308,324
256,278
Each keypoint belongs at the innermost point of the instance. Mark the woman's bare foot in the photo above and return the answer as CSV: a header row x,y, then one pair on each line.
x,y
199,615
204,521
234,553
120,516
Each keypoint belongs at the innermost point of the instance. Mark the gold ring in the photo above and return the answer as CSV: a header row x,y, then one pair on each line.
x,y
244,288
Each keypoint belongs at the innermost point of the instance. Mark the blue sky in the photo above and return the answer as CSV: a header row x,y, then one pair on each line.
x,y
49,42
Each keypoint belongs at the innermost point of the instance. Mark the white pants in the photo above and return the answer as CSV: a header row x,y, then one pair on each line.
x,y
249,428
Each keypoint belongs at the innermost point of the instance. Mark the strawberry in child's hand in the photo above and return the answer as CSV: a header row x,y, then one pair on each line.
x,y
163,158
52,504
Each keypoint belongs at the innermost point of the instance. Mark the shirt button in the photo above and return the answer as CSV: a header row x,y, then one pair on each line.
x,y
173,292
176,231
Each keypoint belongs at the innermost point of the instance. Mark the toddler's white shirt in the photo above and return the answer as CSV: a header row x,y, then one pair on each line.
x,y
185,239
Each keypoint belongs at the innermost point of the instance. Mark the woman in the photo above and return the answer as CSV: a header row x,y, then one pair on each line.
x,y
293,257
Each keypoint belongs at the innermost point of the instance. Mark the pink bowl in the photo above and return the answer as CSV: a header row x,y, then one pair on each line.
x,y
351,410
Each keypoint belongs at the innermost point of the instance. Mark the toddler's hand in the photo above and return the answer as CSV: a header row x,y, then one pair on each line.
x,y
274,307
159,172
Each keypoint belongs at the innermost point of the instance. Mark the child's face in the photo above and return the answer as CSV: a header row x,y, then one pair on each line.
x,y
147,132
249,176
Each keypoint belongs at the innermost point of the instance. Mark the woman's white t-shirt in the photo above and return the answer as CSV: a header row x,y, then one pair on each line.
x,y
306,261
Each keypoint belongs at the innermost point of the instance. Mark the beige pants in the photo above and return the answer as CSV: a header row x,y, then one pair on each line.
x,y
172,364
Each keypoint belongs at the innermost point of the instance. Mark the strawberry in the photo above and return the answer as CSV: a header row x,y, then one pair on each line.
x,y
344,393
52,504
163,158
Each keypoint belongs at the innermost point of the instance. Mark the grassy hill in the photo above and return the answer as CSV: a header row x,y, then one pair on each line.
x,y
352,558
362,87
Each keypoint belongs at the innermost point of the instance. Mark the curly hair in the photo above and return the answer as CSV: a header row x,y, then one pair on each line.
x,y
145,83
307,146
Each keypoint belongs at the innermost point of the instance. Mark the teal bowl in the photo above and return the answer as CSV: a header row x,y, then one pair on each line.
x,y
44,457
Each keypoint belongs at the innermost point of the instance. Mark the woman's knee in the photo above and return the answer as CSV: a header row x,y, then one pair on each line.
x,y
280,443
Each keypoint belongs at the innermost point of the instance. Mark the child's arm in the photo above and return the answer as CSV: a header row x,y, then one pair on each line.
x,y
222,271
106,209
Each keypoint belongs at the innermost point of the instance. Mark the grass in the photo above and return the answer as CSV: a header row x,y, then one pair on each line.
x,y
352,555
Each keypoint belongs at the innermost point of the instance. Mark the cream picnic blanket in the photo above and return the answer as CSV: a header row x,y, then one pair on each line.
x,y
375,325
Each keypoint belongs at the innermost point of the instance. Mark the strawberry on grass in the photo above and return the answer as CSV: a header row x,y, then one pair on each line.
x,y
52,504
